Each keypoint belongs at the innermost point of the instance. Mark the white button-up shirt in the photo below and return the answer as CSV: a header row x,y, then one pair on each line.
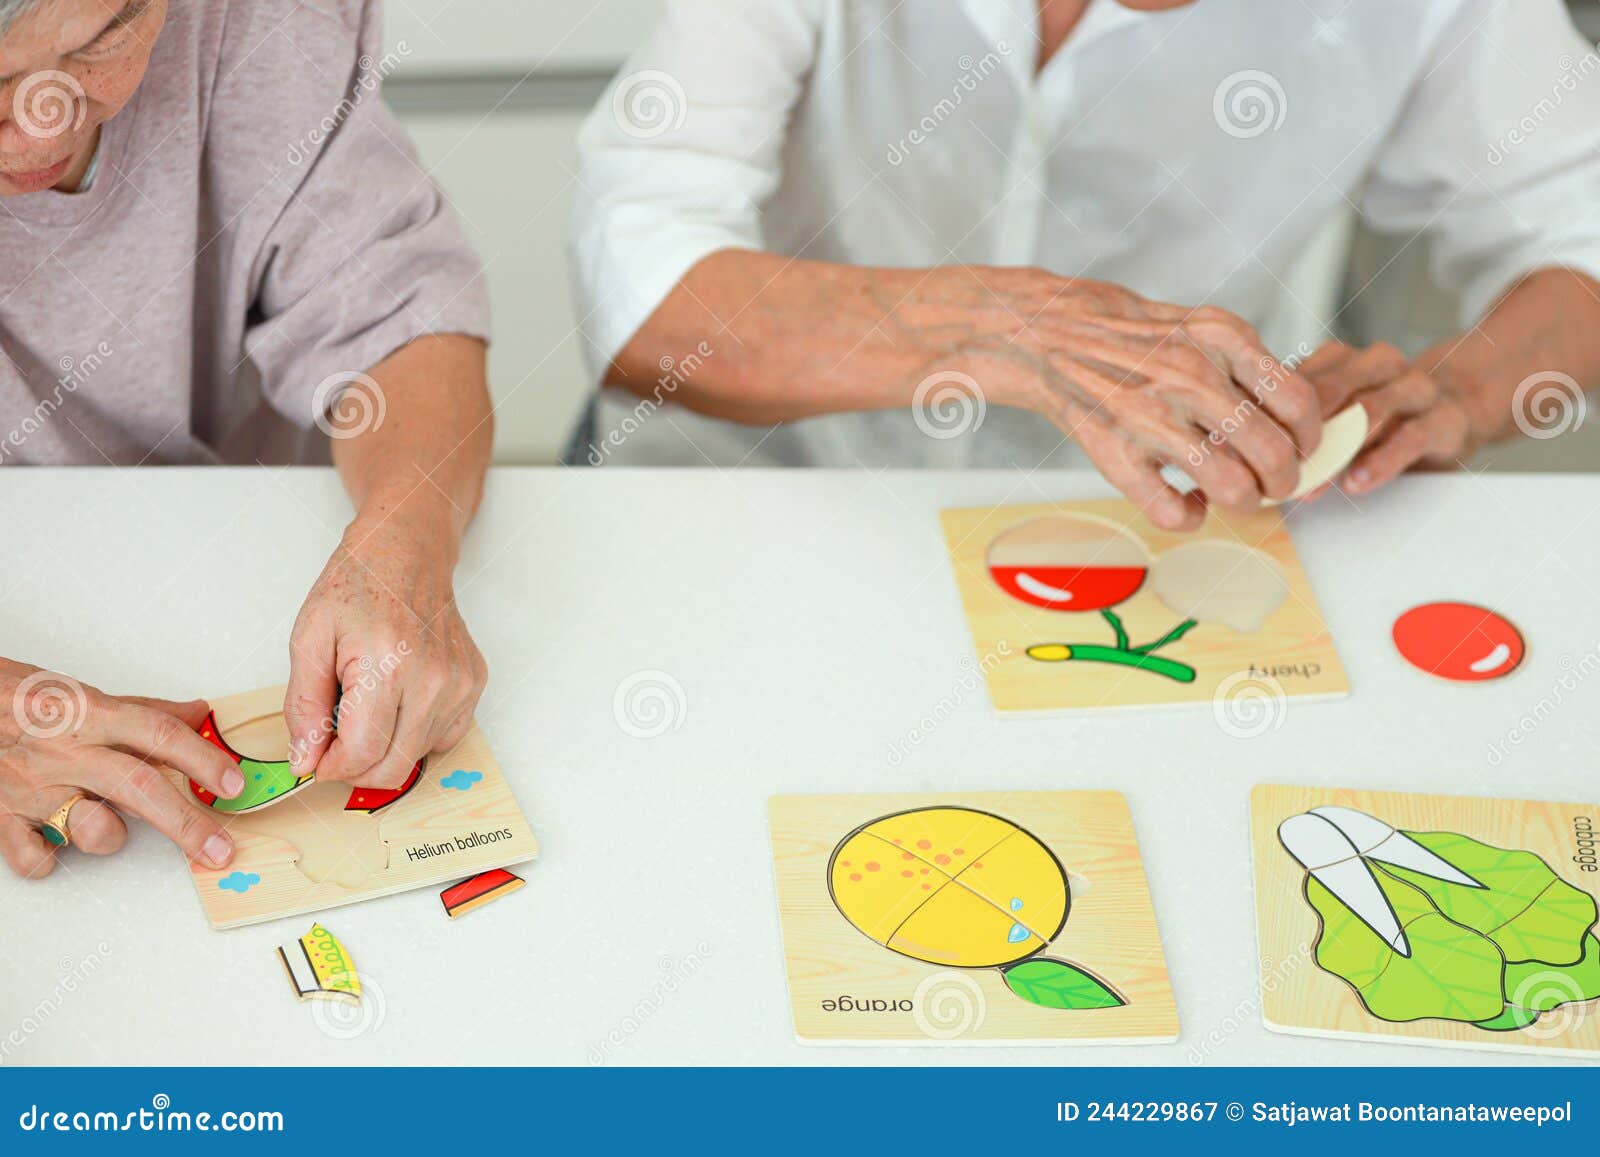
x,y
1187,154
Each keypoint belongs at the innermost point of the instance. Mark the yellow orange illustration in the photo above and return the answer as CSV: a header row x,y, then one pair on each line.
x,y
950,886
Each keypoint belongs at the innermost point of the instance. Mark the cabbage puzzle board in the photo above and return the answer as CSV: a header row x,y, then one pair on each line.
x,y
1440,920
1089,606
322,845
975,918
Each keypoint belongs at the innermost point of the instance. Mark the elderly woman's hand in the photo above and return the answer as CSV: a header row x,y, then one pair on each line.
x,y
380,636
1417,422
60,738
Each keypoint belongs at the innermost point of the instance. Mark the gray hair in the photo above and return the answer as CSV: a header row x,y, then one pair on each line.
x,y
11,9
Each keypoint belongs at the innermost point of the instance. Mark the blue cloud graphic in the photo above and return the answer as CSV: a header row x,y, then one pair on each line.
x,y
240,882
461,780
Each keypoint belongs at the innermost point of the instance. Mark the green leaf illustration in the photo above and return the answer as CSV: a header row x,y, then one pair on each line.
x,y
1525,908
1057,984
1533,988
1510,1020
1452,973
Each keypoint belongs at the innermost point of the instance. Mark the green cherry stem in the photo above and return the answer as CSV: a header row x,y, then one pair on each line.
x,y
1171,636
1116,625
1122,654
1094,653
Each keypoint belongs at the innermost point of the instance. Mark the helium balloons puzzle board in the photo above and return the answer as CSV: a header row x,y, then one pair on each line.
x,y
1435,920
304,846
977,918
1087,606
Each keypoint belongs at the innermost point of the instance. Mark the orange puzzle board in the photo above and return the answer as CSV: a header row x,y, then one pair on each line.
x,y
898,943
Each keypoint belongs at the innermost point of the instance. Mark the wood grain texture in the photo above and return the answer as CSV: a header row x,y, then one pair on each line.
x,y
1298,997
1293,645
311,855
1110,931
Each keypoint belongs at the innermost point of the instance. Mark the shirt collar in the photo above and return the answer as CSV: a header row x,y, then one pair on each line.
x,y
1015,23
1103,17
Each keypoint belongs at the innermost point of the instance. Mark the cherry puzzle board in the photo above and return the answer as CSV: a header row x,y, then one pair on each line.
x,y
1087,606
322,845
1429,919
978,918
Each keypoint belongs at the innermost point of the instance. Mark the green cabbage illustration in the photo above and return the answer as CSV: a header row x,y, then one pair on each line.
x,y
1498,957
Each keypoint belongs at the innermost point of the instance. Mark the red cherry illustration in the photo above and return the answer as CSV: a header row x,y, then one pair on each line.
x,y
1459,641
1068,563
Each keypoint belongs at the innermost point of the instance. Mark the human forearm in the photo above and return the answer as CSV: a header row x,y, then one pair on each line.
x,y
790,339
1549,323
423,464
1137,383
380,635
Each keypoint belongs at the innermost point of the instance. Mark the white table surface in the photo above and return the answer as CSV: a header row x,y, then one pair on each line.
x,y
811,620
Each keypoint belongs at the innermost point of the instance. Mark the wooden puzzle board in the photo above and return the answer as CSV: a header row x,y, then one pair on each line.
x,y
434,834
1291,648
1300,996
848,988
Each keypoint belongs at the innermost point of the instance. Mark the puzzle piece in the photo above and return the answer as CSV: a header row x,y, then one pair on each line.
x,y
873,876
484,888
1019,877
1342,439
319,967
328,844
961,929
1460,642
268,782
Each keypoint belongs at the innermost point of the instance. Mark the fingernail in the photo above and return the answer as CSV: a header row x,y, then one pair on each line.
x,y
232,783
218,850
1358,479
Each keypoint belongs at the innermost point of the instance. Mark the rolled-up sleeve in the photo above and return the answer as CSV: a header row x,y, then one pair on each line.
x,y
1497,153
679,155
349,249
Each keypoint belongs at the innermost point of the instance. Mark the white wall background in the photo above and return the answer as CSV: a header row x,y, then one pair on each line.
x,y
516,35
494,91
